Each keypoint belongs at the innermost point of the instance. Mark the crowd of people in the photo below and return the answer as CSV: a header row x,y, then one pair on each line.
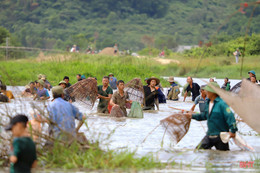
x,y
111,93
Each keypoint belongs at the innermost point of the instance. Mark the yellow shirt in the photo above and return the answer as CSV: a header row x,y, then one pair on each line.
x,y
9,94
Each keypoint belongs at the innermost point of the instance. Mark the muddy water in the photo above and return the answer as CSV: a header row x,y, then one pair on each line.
x,y
130,134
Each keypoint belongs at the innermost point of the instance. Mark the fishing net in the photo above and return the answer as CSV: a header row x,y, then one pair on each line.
x,y
176,125
135,90
84,91
116,112
236,88
136,110
245,103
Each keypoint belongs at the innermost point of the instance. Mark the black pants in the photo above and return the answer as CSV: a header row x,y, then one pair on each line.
x,y
208,143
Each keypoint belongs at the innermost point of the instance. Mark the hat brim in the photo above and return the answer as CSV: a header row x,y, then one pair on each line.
x,y
207,88
153,78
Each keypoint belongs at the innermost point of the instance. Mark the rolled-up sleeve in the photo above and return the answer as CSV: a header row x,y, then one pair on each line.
x,y
76,113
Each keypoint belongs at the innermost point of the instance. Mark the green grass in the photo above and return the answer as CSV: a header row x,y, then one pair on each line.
x,y
73,157
21,72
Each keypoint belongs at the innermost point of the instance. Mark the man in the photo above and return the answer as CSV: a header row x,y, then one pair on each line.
x,y
104,95
7,93
151,94
23,157
47,84
226,86
237,54
193,87
62,115
112,81
220,119
79,77
67,80
120,97
174,90
42,93
201,100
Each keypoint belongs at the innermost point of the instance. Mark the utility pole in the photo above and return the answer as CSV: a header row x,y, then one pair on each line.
x,y
6,49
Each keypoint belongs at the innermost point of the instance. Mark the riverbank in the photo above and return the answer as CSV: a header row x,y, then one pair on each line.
x,y
56,66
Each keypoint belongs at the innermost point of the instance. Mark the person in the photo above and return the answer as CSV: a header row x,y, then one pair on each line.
x,y
105,93
23,156
79,77
201,100
211,79
3,98
73,49
47,84
42,93
67,80
34,125
226,86
120,97
115,49
251,73
193,87
30,90
112,81
39,76
63,84
174,90
62,115
237,54
5,92
219,119
162,54
253,80
151,94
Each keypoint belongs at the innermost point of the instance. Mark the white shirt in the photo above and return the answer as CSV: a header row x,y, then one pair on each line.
x,y
211,104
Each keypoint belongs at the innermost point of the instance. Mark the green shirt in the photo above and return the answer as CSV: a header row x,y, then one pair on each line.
x,y
103,103
221,118
25,151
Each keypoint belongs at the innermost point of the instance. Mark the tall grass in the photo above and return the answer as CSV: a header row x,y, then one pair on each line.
x,y
20,72
74,157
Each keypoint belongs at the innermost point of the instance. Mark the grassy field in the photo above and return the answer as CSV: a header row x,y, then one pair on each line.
x,y
22,71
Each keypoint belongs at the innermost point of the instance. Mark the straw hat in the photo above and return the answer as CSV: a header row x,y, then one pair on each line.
x,y
171,79
40,82
39,76
111,74
153,78
43,77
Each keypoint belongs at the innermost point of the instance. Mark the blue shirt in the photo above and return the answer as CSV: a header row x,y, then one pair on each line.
x,y
202,103
112,82
63,114
43,92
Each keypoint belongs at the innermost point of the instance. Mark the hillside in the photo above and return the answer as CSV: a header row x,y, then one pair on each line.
x,y
133,24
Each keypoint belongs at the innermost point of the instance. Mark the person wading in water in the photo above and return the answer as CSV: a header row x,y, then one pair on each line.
x,y
151,94
104,94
